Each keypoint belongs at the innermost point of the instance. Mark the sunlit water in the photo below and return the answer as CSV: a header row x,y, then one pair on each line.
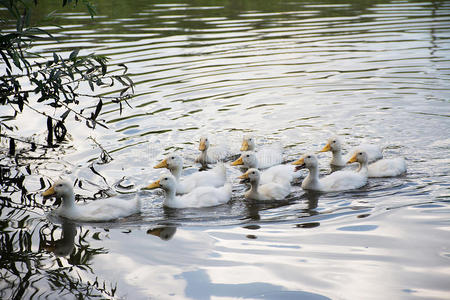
x,y
291,73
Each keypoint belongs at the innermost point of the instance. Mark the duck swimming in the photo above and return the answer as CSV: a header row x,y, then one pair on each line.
x,y
334,145
95,211
337,181
215,177
203,196
210,155
266,191
279,173
267,156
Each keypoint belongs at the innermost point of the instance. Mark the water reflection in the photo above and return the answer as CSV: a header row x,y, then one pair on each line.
x,y
63,246
164,233
28,271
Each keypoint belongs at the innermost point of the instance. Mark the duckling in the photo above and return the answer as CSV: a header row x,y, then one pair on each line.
x,y
267,156
267,191
337,181
278,173
215,177
95,211
334,145
210,155
202,196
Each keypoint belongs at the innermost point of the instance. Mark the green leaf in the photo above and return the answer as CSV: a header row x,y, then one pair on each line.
x,y
65,114
55,57
16,60
97,109
74,54
5,59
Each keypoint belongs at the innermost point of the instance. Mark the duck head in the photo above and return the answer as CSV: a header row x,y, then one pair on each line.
x,y
359,156
248,159
171,162
204,144
166,182
252,175
248,143
333,145
306,161
60,188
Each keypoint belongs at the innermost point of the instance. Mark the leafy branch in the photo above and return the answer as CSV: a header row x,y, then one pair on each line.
x,y
55,81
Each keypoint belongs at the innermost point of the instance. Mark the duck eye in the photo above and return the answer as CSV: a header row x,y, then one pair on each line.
x,y
309,156
360,153
333,142
173,157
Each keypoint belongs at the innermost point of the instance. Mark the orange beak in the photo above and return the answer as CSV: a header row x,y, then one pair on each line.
x,y
244,146
326,148
353,158
238,162
244,176
153,185
162,164
49,192
202,145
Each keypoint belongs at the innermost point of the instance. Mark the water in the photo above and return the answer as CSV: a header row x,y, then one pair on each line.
x,y
291,73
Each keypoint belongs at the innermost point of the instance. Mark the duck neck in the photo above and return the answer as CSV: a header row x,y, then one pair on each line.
x,y
313,177
170,196
254,186
176,172
337,158
363,168
253,189
68,202
203,156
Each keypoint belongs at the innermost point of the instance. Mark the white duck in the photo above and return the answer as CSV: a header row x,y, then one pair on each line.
x,y
203,196
334,145
215,177
337,181
267,191
267,156
278,173
210,155
95,211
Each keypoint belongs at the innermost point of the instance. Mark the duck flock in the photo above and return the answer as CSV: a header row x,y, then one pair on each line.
x,y
269,178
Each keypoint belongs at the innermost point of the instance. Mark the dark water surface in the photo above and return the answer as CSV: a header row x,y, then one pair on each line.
x,y
288,72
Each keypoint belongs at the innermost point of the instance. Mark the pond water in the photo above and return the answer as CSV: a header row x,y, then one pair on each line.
x,y
288,72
